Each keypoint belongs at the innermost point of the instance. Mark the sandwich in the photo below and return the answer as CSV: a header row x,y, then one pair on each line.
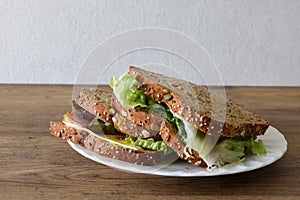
x,y
96,125
146,118
187,123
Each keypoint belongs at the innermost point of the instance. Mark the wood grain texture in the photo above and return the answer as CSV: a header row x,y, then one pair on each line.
x,y
37,165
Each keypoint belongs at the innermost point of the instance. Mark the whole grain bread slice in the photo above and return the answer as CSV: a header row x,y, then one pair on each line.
x,y
134,121
105,148
97,102
173,140
194,104
128,127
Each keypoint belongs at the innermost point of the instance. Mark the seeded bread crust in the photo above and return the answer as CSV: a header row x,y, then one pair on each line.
x,y
59,129
104,148
97,102
135,122
172,139
193,103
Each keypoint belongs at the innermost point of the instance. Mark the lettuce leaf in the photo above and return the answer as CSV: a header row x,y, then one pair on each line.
x,y
175,120
217,153
147,144
233,150
127,93
258,147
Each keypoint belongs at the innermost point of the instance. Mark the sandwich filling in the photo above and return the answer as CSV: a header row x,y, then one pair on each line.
x,y
82,120
216,152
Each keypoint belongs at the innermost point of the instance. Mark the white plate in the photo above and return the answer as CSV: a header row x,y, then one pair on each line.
x,y
274,141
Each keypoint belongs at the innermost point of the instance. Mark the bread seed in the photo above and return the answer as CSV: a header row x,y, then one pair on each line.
x,y
123,113
145,133
167,137
201,118
112,111
167,97
165,91
198,162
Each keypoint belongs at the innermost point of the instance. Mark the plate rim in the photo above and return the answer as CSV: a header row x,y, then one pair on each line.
x,y
185,171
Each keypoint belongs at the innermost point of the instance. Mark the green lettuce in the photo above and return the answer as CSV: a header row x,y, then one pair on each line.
x,y
127,93
148,144
234,150
175,120
217,152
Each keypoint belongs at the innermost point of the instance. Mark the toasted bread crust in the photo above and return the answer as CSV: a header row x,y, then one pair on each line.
x,y
196,109
97,102
173,140
103,147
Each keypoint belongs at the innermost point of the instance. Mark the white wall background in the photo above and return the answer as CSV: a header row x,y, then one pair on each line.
x,y
252,42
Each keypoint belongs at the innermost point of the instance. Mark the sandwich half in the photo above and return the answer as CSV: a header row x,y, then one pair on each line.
x,y
190,128
98,127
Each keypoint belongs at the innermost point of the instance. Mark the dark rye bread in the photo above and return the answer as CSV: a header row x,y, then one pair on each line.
x,y
170,137
97,102
135,122
193,103
105,148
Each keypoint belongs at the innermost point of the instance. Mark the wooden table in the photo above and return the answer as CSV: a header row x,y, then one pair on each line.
x,y
37,165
